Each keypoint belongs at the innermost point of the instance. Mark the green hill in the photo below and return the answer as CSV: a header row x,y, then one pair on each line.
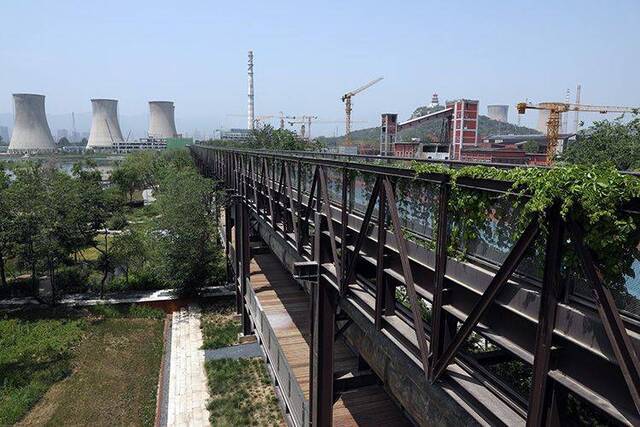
x,y
430,131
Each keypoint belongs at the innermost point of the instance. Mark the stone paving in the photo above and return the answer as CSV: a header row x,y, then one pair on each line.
x,y
188,391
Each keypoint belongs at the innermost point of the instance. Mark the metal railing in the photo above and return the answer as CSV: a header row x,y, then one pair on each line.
x,y
286,380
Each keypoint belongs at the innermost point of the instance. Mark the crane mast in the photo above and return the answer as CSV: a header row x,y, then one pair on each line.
x,y
346,98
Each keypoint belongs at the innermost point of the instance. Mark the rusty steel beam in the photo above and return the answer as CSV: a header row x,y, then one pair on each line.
x,y
540,399
418,323
439,325
380,264
363,231
326,207
344,225
489,296
618,336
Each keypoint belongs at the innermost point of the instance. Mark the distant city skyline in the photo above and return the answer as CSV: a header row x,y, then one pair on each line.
x,y
195,53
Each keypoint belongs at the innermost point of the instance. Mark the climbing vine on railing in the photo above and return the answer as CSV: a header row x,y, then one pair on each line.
x,y
592,195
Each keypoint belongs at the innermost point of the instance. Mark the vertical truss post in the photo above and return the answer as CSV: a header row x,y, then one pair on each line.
x,y
540,400
380,264
244,264
237,202
323,303
439,319
326,207
344,225
301,232
228,225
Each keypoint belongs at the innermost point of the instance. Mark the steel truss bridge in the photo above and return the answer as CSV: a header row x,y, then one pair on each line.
x,y
368,237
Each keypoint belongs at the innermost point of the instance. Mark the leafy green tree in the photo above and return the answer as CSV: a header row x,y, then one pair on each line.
x,y
28,200
530,147
186,229
129,251
137,172
7,219
607,142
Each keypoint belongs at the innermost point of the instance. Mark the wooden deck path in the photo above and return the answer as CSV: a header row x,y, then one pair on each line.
x,y
286,306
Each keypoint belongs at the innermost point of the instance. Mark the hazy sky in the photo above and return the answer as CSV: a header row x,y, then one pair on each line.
x,y
307,54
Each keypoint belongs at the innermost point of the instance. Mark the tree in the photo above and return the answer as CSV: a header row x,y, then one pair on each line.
x,y
129,251
137,172
27,193
186,229
63,141
268,138
7,219
530,146
607,142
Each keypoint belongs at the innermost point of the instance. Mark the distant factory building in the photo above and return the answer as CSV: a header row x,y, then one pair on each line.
x,y
521,139
123,147
421,150
241,135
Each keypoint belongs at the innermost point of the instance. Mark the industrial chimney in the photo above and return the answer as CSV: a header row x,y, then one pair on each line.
x,y
105,129
498,112
162,123
30,130
250,116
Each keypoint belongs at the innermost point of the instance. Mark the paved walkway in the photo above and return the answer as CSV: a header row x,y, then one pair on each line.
x,y
188,391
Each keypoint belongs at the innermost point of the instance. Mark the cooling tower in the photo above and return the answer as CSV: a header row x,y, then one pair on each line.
x,y
498,112
162,123
30,130
105,129
543,118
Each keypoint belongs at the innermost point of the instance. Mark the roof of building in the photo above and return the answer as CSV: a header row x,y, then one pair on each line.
x,y
528,137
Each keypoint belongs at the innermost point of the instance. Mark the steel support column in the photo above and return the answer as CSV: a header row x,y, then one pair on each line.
x,y
540,401
244,255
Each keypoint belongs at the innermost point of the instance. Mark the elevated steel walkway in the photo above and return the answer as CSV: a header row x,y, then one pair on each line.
x,y
500,337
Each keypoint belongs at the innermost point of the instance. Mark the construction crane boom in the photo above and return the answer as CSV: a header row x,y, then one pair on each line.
x,y
361,88
557,108
346,98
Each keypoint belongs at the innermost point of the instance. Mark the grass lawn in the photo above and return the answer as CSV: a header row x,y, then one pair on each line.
x,y
95,366
242,394
219,327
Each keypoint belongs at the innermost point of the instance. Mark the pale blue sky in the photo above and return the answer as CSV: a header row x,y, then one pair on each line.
x,y
308,53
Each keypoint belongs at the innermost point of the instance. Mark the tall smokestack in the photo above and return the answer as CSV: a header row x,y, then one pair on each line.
x,y
105,129
30,130
162,123
250,117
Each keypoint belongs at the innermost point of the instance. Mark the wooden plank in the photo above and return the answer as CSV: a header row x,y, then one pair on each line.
x,y
286,306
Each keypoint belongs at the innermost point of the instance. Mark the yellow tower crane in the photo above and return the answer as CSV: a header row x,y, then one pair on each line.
x,y
555,109
346,98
